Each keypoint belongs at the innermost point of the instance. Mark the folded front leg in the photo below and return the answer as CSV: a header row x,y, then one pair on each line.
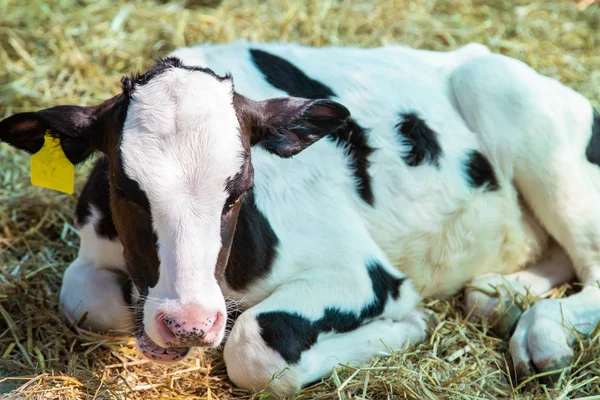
x,y
307,327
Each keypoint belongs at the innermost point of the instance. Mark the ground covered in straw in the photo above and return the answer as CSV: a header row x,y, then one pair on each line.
x,y
67,51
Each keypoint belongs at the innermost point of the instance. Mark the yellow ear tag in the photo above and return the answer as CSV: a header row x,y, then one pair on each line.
x,y
50,167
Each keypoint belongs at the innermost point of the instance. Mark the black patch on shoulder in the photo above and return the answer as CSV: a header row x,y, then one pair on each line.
x,y
128,84
480,172
96,193
254,246
592,152
353,139
285,76
424,145
290,334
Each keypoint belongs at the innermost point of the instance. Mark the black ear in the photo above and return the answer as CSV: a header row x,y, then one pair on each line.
x,y
81,130
286,126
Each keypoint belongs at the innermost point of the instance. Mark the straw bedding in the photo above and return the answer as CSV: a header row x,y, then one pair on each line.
x,y
66,51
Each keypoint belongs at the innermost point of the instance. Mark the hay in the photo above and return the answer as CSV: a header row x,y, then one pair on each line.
x,y
66,51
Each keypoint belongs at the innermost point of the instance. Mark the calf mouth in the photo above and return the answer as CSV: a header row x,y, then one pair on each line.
x,y
153,351
158,353
174,350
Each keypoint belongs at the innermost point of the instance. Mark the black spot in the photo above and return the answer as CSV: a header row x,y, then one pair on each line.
x,y
290,333
480,172
353,139
287,333
593,148
254,246
285,76
96,193
384,285
424,145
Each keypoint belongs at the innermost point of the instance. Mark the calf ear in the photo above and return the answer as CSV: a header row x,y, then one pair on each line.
x,y
286,126
81,130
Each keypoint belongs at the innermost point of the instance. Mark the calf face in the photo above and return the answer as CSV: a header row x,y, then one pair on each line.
x,y
178,141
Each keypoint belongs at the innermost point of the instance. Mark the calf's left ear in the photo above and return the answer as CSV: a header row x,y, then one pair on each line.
x,y
285,126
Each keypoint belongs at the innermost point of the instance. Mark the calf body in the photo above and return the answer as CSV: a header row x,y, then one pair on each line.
x,y
452,167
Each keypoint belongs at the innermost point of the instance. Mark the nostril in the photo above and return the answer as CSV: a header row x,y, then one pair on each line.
x,y
168,321
215,326
209,322
218,320
166,328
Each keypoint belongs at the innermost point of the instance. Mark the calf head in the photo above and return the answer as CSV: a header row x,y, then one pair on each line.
x,y
178,141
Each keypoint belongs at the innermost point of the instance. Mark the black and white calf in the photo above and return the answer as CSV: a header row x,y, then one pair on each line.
x,y
453,168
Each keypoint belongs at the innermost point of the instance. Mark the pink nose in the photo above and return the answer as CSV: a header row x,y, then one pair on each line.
x,y
191,327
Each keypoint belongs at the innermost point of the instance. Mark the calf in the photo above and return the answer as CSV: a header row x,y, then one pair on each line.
x,y
454,168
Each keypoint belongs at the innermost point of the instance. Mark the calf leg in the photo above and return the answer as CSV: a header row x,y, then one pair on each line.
x,y
569,206
545,333
359,346
499,299
96,290
294,338
540,133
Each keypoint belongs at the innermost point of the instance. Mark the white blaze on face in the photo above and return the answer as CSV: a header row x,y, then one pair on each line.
x,y
181,142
